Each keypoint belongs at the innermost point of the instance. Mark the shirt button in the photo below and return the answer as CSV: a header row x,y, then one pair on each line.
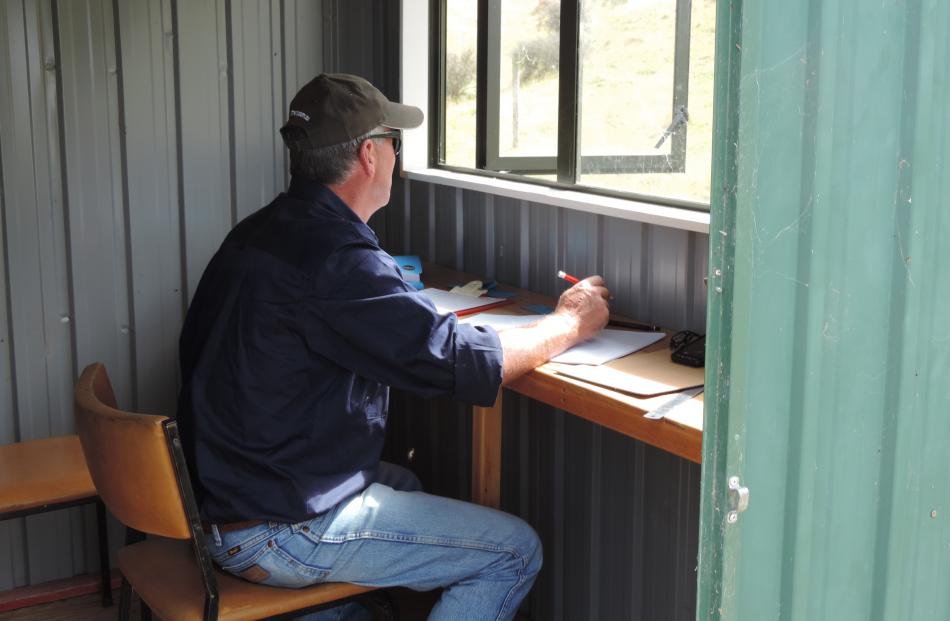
x,y
305,529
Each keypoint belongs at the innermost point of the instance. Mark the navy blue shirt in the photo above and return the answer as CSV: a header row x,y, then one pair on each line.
x,y
298,328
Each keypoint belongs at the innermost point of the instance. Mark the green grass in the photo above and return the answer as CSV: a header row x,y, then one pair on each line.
x,y
627,81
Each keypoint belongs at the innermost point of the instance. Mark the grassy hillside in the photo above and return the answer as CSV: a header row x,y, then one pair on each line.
x,y
627,84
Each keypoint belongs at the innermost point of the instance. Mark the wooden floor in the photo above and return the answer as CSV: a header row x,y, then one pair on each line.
x,y
85,607
412,607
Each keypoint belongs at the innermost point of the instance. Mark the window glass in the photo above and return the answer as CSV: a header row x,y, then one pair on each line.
x,y
626,75
460,54
643,93
628,53
528,78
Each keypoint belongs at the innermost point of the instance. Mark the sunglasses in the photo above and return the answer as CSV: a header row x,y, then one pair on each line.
x,y
396,136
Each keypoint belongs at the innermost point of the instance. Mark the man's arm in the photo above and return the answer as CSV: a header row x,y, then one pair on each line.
x,y
581,312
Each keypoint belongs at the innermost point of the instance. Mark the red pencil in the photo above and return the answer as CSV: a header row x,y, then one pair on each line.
x,y
571,279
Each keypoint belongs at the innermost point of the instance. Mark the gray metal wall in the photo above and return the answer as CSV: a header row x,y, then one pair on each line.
x,y
619,519
135,133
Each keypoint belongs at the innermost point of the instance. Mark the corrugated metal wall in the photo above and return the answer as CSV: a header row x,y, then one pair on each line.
x,y
135,133
618,518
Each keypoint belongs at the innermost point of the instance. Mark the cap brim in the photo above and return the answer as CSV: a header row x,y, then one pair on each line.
x,y
401,116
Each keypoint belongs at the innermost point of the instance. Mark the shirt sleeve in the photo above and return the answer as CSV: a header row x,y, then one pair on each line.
x,y
365,318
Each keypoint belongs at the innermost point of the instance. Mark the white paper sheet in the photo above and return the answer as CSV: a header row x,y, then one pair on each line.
x,y
607,345
500,322
446,302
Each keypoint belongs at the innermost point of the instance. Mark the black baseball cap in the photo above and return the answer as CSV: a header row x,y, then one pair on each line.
x,y
338,107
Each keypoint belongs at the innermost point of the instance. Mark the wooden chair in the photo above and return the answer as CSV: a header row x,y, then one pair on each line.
x,y
137,463
47,475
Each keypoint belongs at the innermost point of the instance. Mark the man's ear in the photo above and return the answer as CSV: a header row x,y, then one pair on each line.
x,y
366,156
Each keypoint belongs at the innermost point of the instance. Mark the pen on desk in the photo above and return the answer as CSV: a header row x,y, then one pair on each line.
x,y
571,279
632,325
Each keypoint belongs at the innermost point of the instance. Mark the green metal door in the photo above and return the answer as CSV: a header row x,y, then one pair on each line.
x,y
828,370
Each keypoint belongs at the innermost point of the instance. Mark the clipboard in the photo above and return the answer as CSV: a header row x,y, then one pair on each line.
x,y
645,374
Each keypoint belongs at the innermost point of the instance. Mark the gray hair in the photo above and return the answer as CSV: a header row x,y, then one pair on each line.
x,y
327,165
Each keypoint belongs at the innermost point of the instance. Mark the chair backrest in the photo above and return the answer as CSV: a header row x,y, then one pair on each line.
x,y
129,459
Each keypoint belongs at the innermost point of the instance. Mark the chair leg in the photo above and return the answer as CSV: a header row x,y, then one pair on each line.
x,y
145,613
125,600
104,568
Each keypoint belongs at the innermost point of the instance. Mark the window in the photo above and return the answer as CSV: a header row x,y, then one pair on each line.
x,y
610,96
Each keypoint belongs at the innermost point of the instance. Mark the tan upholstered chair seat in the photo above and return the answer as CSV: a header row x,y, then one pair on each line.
x,y
179,595
43,472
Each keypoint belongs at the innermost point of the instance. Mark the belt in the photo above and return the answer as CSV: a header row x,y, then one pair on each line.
x,y
231,526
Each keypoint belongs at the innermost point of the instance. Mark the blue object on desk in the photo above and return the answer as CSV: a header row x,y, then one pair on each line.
x,y
409,265
538,309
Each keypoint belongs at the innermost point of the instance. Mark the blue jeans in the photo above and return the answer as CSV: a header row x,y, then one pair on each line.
x,y
393,534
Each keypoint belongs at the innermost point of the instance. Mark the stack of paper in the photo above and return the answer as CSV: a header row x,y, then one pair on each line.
x,y
608,345
605,346
447,302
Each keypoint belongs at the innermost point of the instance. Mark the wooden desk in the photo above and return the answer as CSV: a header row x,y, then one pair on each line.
x,y
609,408
47,475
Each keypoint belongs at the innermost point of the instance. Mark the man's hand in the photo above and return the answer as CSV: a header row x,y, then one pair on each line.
x,y
586,304
581,312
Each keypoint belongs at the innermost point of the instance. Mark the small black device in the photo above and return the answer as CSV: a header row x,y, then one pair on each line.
x,y
688,348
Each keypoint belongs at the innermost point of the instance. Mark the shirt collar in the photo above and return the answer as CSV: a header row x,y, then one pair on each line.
x,y
304,189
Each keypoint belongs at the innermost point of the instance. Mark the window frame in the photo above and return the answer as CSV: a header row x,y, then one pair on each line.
x,y
488,161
